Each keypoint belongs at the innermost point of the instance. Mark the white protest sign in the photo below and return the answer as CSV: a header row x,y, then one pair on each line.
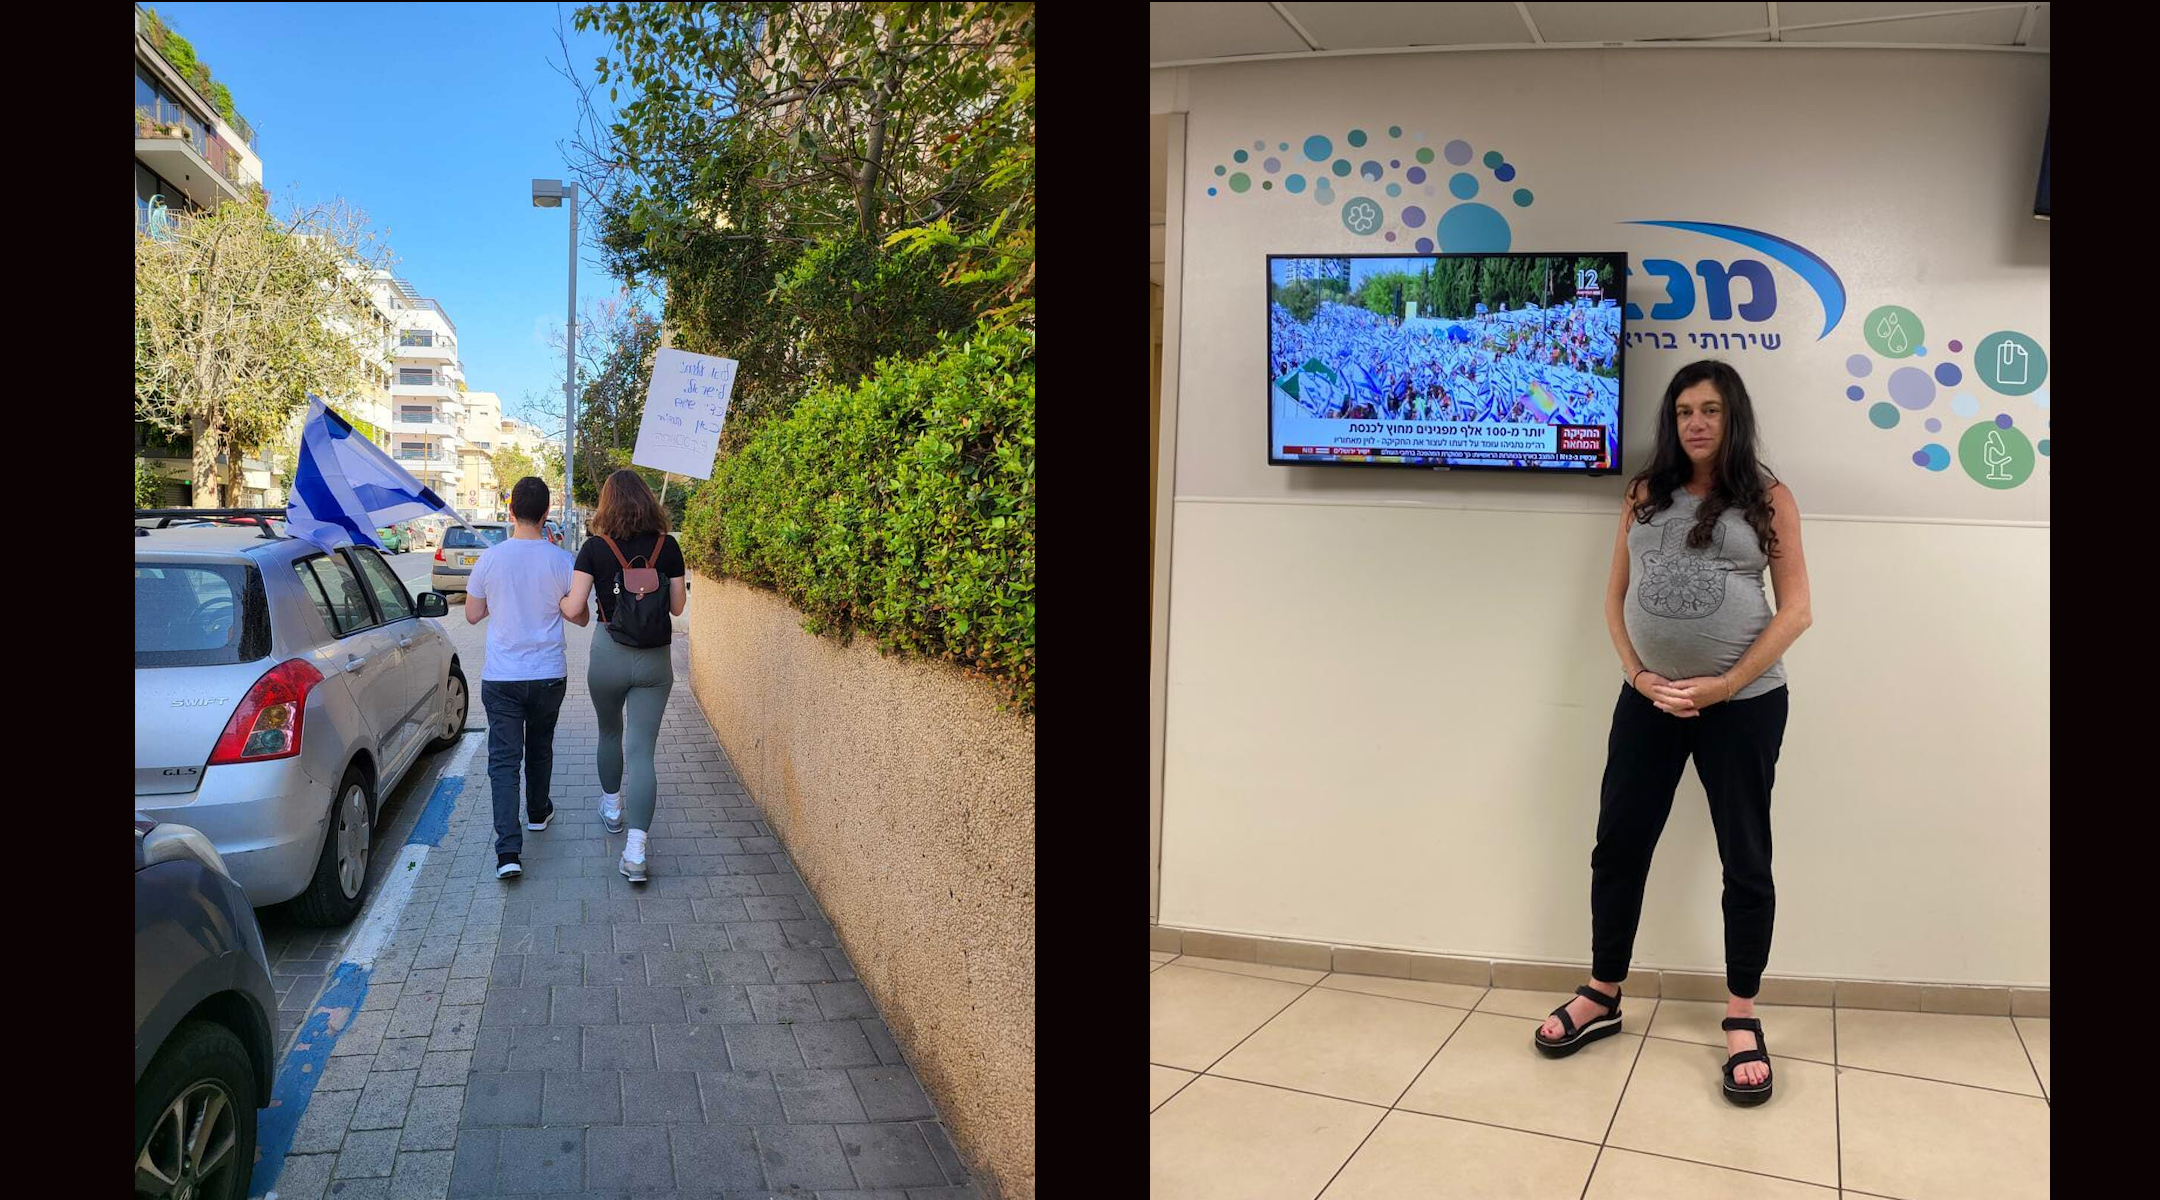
x,y
684,405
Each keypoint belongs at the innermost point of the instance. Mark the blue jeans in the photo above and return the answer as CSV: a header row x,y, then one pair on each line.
x,y
520,715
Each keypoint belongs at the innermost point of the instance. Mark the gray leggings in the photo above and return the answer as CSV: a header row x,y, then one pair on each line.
x,y
622,675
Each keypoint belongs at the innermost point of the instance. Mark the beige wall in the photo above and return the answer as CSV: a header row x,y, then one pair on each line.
x,y
908,802
1388,693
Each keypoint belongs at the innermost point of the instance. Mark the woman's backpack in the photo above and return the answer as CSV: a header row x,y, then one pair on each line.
x,y
639,602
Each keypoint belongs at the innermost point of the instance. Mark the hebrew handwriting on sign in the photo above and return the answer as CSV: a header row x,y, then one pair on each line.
x,y
685,405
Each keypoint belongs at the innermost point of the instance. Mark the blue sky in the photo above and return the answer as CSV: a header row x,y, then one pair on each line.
x,y
433,119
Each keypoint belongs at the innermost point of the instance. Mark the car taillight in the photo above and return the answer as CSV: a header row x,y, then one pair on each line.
x,y
267,723
438,554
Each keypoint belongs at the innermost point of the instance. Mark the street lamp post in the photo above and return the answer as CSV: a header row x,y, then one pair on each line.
x,y
549,193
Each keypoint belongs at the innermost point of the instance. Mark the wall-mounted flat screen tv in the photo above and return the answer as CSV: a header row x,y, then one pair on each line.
x,y
1503,362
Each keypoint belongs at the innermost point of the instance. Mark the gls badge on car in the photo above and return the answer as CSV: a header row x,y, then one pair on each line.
x,y
181,771
198,703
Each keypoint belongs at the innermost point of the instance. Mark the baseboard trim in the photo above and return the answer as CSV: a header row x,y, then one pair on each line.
x,y
1536,976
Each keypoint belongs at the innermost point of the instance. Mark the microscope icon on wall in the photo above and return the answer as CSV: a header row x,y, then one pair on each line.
x,y
1998,458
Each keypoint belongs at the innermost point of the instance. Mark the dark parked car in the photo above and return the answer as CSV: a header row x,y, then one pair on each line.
x,y
204,1019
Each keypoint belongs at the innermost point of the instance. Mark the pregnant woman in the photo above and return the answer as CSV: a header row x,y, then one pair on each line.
x,y
1702,651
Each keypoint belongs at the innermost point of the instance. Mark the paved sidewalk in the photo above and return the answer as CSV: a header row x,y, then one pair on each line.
x,y
572,1033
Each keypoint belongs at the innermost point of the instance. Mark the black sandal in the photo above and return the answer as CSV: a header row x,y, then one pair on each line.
x,y
1576,1039
1738,1093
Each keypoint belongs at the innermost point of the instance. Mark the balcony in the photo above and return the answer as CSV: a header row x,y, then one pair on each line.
x,y
435,385
422,345
178,145
431,467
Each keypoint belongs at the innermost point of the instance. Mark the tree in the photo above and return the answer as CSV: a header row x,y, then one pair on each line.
x,y
147,484
768,152
233,326
511,464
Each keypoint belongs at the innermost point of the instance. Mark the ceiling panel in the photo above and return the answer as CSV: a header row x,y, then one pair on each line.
x,y
1643,22
1968,29
1369,26
1809,14
1181,31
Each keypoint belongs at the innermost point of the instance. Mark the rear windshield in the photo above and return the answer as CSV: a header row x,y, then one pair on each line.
x,y
199,614
458,535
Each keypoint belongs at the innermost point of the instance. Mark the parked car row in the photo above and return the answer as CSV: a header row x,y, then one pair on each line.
x,y
205,1018
460,549
280,693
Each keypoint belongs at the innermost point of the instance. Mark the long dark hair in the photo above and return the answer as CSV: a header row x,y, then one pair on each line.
x,y
1737,480
627,507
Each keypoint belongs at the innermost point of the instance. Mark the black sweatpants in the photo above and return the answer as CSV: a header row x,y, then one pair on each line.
x,y
1735,747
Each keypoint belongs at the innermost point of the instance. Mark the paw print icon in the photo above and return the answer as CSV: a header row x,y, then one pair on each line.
x,y
1361,216
1681,583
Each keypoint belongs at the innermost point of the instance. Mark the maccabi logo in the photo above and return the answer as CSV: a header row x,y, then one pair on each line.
x,y
1717,278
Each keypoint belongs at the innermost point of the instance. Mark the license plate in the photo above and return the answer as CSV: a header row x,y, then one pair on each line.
x,y
469,558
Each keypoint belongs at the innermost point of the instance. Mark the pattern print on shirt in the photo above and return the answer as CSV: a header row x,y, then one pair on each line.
x,y
1683,583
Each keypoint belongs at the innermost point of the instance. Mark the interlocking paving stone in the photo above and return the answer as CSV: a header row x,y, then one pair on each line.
x,y
322,1127
584,939
762,1047
582,1006
891,1093
401,1054
645,1005
616,1047
799,966
431,1123
630,1156
738,966
832,1044
455,1027
420,1176
774,1003
382,1102
693,1048
344,1074
844,1001
803,1156
542,1160
581,1098
515,1006
505,1098
826,1096
716,1156
369,1154
724,1005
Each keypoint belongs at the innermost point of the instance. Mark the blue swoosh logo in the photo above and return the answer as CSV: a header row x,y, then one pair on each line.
x,y
1803,262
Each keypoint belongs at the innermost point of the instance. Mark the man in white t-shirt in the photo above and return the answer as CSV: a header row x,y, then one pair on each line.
x,y
521,582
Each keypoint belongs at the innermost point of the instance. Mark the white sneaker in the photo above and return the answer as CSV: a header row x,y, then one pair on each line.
x,y
610,817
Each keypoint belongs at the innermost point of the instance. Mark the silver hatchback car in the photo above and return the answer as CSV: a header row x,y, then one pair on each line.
x,y
280,694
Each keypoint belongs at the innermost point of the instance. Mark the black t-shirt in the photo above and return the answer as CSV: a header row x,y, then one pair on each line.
x,y
595,559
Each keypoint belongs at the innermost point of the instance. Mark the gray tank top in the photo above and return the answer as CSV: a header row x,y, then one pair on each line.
x,y
1695,612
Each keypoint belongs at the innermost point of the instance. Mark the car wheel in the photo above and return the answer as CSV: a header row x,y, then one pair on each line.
x,y
333,896
454,716
195,1117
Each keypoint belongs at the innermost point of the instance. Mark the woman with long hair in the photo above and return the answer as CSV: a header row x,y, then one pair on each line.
x,y
1703,653
627,680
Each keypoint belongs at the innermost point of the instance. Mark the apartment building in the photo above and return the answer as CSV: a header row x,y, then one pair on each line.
x,y
479,494
187,158
427,393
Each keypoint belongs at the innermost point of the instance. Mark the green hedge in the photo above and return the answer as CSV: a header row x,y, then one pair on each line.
x,y
903,507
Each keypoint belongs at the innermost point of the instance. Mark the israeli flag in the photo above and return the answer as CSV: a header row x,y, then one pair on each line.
x,y
345,485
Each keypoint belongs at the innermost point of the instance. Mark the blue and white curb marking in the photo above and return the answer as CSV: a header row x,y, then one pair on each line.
x,y
277,1125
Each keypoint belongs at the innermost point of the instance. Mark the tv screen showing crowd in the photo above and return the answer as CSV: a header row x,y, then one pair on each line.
x,y
1508,361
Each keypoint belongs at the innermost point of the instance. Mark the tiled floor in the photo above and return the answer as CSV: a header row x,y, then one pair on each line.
x,y
1272,1082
